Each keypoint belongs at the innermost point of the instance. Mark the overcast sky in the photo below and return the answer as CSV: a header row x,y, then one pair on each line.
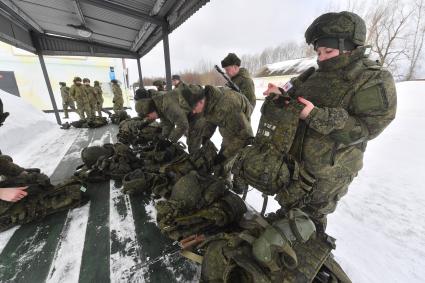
x,y
240,26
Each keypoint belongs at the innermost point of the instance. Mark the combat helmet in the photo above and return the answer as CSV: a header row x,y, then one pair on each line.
x,y
96,83
343,31
77,79
86,80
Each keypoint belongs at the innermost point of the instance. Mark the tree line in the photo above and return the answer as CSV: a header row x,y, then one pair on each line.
x,y
395,32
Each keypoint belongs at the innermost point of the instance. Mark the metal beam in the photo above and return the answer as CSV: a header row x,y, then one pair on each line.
x,y
49,87
166,56
161,9
11,7
79,12
36,43
140,73
125,10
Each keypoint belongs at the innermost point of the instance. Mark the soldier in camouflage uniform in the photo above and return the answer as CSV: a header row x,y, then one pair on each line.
x,y
66,99
99,97
230,112
240,76
159,84
177,82
79,95
174,110
118,99
338,108
91,94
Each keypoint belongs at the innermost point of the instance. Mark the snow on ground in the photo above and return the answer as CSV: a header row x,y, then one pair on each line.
x,y
379,224
31,137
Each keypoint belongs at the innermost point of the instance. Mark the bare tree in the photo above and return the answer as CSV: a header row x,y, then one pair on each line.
x,y
386,24
416,41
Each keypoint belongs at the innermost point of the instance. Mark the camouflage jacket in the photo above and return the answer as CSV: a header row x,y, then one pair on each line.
x,y
65,94
78,94
116,90
245,83
355,99
91,94
98,91
174,120
230,112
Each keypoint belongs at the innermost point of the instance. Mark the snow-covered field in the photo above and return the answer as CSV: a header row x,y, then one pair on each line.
x,y
379,224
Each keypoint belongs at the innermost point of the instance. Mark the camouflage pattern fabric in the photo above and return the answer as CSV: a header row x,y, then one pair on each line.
x,y
360,102
78,94
117,99
138,131
91,94
245,83
119,116
99,99
230,112
43,198
198,204
174,120
95,122
67,100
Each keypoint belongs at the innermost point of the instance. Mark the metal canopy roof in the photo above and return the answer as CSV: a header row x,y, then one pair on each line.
x,y
119,28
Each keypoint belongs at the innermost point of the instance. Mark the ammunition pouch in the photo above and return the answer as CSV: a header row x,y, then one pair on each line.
x,y
263,168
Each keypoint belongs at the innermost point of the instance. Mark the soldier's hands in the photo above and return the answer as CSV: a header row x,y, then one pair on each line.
x,y
307,109
13,194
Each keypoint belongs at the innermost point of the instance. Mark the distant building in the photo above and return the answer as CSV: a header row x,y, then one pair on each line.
x,y
21,75
281,72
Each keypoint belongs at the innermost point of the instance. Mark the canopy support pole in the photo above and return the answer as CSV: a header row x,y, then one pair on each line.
x,y
49,87
36,43
139,68
166,56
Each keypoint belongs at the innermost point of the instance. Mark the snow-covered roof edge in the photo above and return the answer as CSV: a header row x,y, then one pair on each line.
x,y
288,67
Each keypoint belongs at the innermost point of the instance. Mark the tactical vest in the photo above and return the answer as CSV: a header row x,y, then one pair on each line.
x,y
266,165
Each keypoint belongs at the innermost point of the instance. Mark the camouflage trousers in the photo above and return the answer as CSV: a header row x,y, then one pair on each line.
x,y
324,198
65,105
118,105
83,109
99,106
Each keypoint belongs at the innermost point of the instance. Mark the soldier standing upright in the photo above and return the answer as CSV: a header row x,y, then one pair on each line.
x,y
240,76
308,149
99,97
117,100
90,92
66,99
177,82
79,95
